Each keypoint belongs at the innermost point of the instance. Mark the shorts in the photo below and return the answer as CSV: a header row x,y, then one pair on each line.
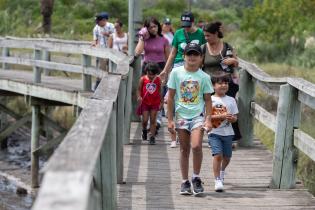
x,y
146,107
221,144
190,124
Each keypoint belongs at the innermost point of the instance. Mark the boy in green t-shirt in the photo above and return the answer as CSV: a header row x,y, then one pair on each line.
x,y
192,89
189,33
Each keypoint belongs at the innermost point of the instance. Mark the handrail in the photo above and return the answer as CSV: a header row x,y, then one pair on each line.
x,y
84,170
292,92
55,45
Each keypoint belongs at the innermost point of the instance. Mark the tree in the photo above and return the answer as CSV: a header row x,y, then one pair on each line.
x,y
46,9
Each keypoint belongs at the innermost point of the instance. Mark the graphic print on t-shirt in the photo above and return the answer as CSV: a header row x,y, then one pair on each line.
x,y
218,109
189,91
151,88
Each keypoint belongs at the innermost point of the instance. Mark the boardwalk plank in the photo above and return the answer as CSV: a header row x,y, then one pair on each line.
x,y
152,176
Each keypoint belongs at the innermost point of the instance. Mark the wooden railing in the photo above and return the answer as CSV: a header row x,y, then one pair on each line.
x,y
288,137
84,170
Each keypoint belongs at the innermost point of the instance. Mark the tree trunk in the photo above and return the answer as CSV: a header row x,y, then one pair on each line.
x,y
46,9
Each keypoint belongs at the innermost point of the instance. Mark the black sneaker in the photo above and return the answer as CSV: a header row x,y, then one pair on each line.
x,y
152,140
185,188
144,134
197,186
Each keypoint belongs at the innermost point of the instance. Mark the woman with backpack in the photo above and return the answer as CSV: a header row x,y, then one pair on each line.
x,y
220,56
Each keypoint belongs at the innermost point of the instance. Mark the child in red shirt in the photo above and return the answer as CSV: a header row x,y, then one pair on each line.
x,y
150,99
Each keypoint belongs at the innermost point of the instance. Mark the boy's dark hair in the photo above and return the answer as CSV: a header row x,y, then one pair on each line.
x,y
152,68
220,76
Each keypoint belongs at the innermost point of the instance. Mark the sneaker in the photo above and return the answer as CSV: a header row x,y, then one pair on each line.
x,y
144,134
152,140
173,144
197,186
185,188
218,187
222,173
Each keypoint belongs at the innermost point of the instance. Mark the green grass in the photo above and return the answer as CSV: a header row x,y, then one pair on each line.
x,y
280,70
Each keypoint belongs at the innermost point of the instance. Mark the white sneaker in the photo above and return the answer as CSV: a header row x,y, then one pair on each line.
x,y
222,173
173,144
218,187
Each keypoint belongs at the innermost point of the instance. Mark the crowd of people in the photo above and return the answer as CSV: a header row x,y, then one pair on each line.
x,y
193,72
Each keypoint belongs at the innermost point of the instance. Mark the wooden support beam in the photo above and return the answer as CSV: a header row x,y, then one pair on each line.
x,y
128,107
135,78
9,130
245,119
46,57
8,93
46,120
34,145
305,143
285,154
44,102
108,165
263,116
120,130
37,70
45,149
87,79
5,53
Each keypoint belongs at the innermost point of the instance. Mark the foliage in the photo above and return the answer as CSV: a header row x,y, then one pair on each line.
x,y
275,23
70,20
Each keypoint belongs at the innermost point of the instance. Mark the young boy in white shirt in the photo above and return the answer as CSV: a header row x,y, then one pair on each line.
x,y
224,112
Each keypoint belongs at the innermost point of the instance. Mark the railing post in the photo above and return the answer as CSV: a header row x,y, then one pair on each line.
x,y
3,121
46,57
128,106
108,165
111,66
285,154
135,82
87,79
245,119
5,53
36,70
120,129
35,144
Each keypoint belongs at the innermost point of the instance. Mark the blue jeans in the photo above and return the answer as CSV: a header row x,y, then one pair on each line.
x,y
220,144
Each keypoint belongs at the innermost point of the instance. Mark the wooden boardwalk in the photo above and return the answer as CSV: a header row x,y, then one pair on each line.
x,y
152,176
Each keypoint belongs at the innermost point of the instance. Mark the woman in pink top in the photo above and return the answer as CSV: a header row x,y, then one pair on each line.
x,y
152,43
